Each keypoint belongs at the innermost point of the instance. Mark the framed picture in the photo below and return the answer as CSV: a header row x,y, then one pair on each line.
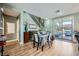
x,y
32,26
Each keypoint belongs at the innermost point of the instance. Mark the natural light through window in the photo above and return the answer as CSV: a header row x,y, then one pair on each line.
x,y
10,28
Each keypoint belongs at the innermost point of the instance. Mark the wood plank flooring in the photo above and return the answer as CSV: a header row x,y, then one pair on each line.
x,y
59,48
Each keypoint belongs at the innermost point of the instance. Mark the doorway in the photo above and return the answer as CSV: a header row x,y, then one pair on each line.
x,y
64,28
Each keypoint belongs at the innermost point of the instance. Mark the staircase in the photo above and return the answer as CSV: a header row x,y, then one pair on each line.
x,y
37,20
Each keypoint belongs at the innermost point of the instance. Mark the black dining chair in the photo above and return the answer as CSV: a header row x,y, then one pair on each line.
x,y
37,41
51,38
77,38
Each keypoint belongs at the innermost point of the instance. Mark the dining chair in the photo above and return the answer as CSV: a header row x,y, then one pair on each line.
x,y
2,43
51,38
40,41
37,40
44,39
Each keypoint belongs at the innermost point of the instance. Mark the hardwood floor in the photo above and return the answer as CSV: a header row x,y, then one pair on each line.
x,y
59,48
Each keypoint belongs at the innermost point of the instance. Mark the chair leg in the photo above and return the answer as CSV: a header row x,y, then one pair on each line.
x,y
48,43
51,42
42,47
37,46
33,43
2,49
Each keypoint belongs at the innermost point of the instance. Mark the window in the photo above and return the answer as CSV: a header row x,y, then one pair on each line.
x,y
10,28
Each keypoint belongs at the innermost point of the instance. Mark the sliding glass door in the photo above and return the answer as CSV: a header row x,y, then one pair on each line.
x,y
64,28
68,28
58,28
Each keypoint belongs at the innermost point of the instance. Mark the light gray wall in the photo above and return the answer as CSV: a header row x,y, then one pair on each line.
x,y
76,22
50,25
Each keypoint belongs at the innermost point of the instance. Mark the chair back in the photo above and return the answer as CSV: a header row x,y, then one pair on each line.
x,y
50,36
36,37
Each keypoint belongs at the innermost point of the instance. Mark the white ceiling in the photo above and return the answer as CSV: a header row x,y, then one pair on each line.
x,y
47,10
10,12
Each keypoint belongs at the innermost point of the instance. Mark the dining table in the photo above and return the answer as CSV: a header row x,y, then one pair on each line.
x,y
42,39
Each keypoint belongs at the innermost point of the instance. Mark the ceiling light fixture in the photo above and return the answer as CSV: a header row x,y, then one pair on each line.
x,y
59,12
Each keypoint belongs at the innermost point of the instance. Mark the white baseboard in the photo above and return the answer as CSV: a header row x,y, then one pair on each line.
x,y
21,43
